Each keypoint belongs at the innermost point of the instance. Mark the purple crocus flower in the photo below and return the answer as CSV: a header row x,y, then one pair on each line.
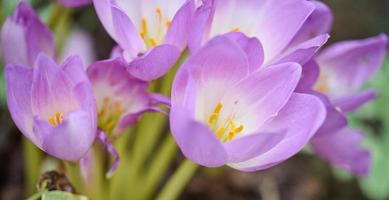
x,y
280,26
24,36
53,105
151,35
74,3
344,67
121,98
225,111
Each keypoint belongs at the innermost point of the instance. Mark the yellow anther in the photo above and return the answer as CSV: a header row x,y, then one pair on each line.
x,y
212,119
232,125
153,42
220,131
239,129
143,28
218,108
159,14
56,119
168,23
236,29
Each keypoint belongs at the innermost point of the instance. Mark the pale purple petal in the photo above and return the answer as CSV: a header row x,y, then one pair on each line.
x,y
309,76
195,140
251,46
349,64
301,117
70,140
304,51
343,149
350,103
18,85
111,150
179,29
200,25
260,96
247,147
319,22
24,36
155,63
209,73
126,34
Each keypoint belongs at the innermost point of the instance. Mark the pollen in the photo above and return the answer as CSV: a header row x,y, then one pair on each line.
x,y
227,130
109,114
56,119
143,32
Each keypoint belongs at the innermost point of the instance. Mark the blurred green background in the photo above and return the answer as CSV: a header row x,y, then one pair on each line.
x,y
302,177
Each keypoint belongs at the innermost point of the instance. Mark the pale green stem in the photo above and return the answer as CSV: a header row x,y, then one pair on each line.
x,y
118,184
95,187
159,166
178,181
74,174
32,160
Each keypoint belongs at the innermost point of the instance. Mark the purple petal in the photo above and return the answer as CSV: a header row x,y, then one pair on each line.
x,y
274,23
352,63
319,22
111,150
18,84
301,117
251,46
126,34
24,36
304,51
70,140
210,72
309,76
343,149
195,140
247,147
353,102
75,3
155,63
261,95
178,31
201,24
335,120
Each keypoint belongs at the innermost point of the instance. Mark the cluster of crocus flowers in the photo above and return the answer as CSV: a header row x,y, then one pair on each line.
x,y
251,94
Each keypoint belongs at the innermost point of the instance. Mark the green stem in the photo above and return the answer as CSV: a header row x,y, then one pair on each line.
x,y
32,158
74,174
178,181
159,165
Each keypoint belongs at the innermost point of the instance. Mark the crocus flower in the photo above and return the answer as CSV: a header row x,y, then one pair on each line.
x,y
226,112
344,67
24,36
280,26
151,35
74,3
53,105
121,98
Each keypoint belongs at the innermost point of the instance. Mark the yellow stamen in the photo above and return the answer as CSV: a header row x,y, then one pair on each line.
x,y
143,28
56,119
322,84
220,131
159,14
153,42
168,23
236,29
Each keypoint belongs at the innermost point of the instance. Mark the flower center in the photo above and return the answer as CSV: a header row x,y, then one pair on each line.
x,y
162,24
56,119
109,114
224,130
322,85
